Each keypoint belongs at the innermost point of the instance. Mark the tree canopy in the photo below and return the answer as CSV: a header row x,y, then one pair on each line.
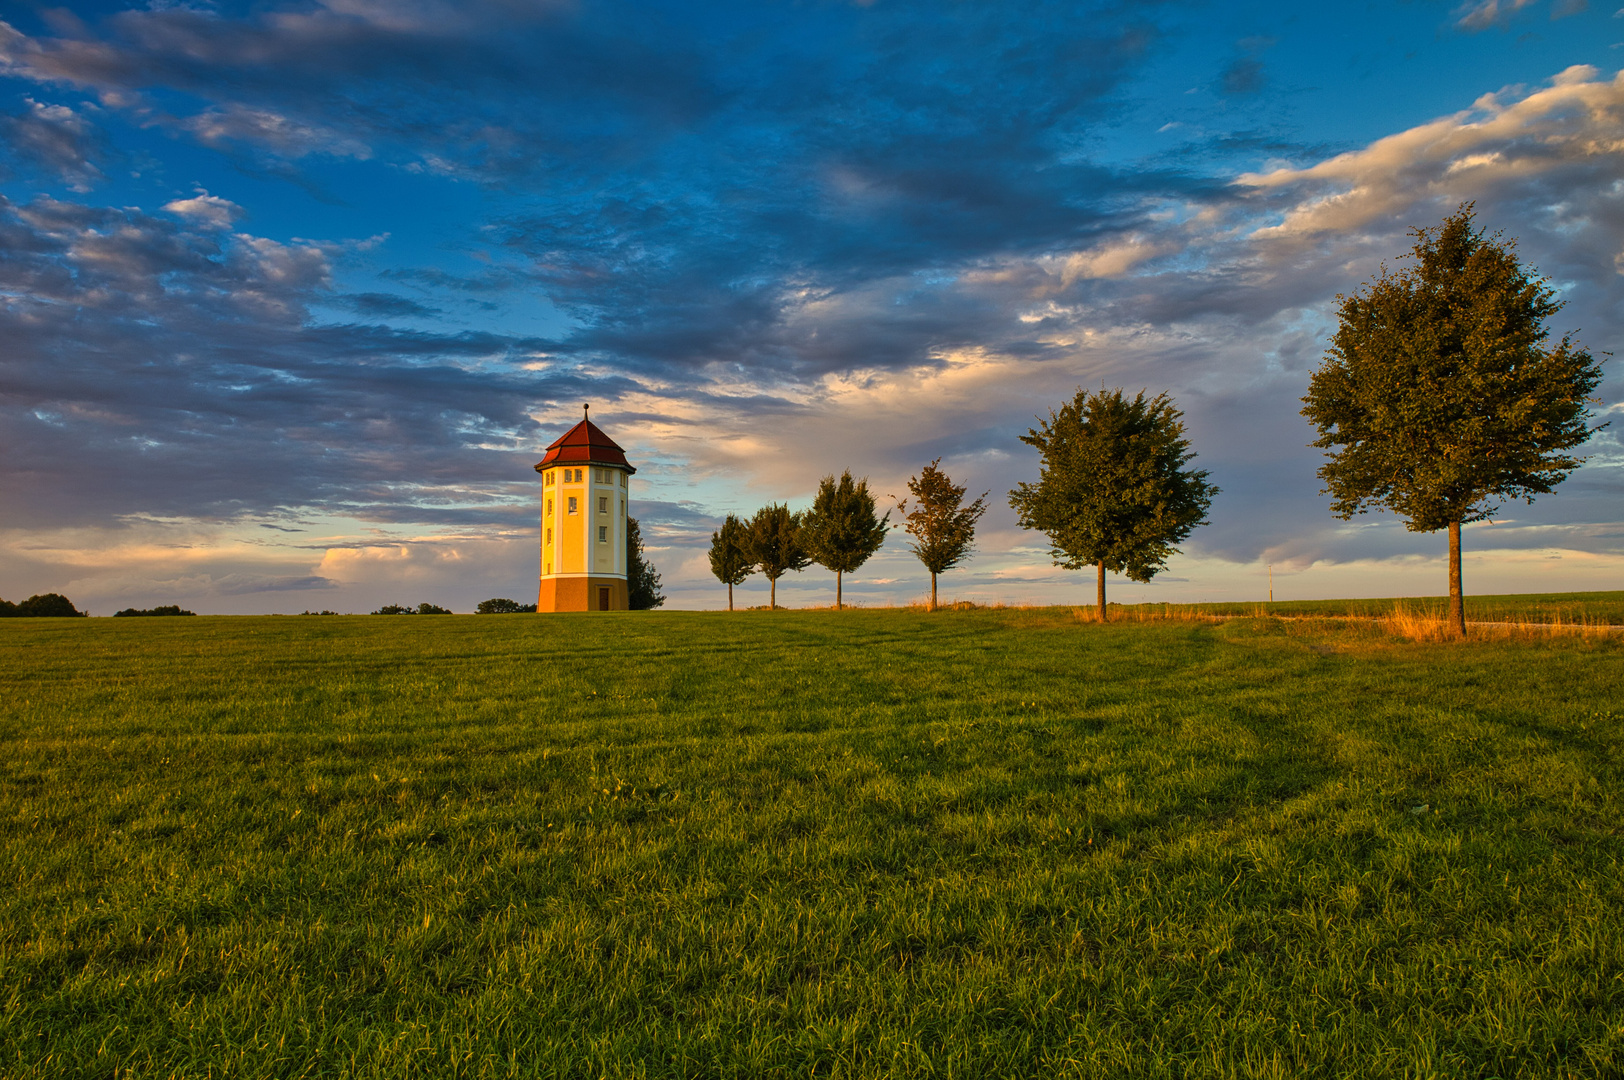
x,y
1439,396
498,605
1113,491
730,555
642,580
41,606
775,545
840,532
941,526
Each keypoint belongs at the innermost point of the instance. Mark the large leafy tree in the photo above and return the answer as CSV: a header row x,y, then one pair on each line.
x,y
840,532
642,580
1439,395
942,527
730,555
1114,492
775,545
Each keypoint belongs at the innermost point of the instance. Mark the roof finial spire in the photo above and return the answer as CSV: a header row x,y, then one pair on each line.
x,y
586,412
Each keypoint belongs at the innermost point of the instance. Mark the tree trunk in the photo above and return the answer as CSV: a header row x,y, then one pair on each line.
x,y
772,602
1101,592
730,596
933,590
1457,607
837,590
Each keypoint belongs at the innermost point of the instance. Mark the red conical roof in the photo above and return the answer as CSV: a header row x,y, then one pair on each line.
x,y
584,444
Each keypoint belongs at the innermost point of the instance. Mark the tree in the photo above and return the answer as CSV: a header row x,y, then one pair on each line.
x,y
502,606
1441,393
165,609
942,528
730,555
775,545
47,606
1113,491
642,580
841,532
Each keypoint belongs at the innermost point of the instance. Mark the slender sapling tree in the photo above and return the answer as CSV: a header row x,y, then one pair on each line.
x,y
941,526
730,555
840,531
775,545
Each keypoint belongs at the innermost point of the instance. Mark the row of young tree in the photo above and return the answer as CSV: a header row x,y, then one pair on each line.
x,y
1113,493
1438,399
841,532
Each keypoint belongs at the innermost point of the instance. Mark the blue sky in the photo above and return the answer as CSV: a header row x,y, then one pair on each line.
x,y
293,294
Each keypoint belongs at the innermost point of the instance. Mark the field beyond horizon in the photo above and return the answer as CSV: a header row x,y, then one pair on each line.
x,y
869,843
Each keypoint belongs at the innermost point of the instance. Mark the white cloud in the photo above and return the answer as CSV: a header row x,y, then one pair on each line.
x,y
207,210
1577,121
1479,15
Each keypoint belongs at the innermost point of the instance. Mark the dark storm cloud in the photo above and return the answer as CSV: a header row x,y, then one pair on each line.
x,y
56,140
387,304
699,170
439,79
155,368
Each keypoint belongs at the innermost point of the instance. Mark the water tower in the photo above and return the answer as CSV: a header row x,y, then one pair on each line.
x,y
584,485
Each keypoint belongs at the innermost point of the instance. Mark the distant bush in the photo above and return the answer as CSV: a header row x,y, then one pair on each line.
x,y
499,606
167,609
41,606
420,609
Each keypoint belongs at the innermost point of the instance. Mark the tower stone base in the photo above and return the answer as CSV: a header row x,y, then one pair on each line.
x,y
583,594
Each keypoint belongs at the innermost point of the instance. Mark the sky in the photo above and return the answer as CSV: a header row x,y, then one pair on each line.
x,y
293,295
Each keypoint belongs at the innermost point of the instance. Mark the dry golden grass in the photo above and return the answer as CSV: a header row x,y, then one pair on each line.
x,y
1431,624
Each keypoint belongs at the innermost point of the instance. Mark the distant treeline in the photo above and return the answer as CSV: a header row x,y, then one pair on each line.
x,y
166,609
42,606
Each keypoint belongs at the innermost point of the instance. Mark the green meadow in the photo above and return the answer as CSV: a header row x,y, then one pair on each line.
x,y
987,843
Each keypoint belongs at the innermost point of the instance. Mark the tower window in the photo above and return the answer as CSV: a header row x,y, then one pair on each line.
x,y
549,508
603,504
622,479
549,536
572,504
603,534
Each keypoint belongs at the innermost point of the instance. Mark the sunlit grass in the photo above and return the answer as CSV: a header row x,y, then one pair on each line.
x,y
867,843
1571,609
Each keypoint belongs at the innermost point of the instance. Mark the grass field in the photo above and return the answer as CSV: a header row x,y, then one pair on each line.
x,y
869,843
